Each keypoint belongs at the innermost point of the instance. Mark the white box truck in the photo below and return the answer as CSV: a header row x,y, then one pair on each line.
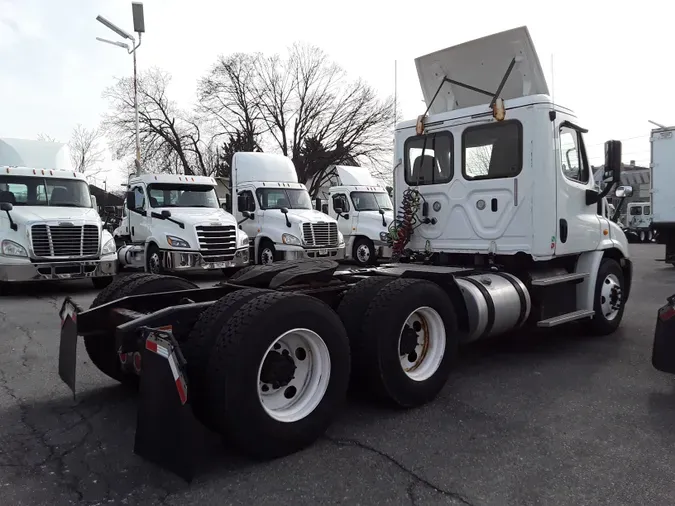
x,y
663,188
50,228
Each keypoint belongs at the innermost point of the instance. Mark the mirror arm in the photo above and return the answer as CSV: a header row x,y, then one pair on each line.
x,y
12,225
617,211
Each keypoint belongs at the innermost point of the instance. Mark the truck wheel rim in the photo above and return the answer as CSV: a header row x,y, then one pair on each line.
x,y
293,375
154,263
610,297
421,343
267,257
363,253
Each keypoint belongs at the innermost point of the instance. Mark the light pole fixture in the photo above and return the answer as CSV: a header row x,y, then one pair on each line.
x,y
139,28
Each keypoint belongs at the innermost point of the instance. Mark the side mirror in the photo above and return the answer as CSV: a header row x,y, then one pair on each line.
x,y
612,173
382,212
338,210
247,214
324,208
241,203
131,200
624,191
166,214
284,210
6,206
346,216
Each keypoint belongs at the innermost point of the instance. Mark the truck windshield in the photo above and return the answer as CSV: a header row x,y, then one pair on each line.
x,y
368,201
182,195
276,198
47,192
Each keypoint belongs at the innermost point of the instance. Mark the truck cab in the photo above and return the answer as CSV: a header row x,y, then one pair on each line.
x,y
50,228
174,223
639,220
276,212
497,173
363,211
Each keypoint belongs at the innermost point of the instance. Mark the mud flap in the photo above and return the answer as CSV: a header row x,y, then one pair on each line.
x,y
166,428
68,343
663,351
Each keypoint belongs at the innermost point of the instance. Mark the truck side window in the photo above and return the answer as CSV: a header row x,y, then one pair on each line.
x,y
572,159
636,211
246,202
492,151
428,159
340,200
647,210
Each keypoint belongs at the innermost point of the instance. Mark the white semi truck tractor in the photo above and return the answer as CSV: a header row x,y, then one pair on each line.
x,y
50,228
174,223
498,227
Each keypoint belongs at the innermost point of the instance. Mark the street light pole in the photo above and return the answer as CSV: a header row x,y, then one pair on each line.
x,y
139,28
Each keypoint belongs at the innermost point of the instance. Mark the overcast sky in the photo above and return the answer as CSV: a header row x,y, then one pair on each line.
x,y
612,60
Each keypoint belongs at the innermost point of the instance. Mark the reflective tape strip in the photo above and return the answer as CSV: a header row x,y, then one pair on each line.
x,y
180,383
174,369
156,348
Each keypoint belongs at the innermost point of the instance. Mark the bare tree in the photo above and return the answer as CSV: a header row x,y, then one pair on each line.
x,y
86,153
303,106
46,138
172,140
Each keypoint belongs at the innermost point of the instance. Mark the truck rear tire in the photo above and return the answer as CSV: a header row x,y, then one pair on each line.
x,y
278,374
399,368
351,311
197,349
101,348
608,301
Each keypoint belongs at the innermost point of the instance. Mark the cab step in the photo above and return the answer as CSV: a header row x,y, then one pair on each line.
x,y
562,278
566,318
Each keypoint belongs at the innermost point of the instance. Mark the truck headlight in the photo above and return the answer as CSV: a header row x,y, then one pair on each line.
x,y
243,240
341,238
291,240
12,249
176,242
109,248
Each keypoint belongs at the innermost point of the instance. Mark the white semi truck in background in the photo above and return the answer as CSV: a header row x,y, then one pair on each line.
x,y
174,223
363,210
662,189
50,228
276,212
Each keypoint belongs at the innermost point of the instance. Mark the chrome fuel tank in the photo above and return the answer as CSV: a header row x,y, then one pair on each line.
x,y
496,302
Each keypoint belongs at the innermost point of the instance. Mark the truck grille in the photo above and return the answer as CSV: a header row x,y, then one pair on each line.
x,y
217,244
320,234
65,241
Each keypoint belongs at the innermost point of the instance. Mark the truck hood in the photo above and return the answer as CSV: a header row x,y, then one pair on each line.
x,y
481,63
21,214
199,215
376,216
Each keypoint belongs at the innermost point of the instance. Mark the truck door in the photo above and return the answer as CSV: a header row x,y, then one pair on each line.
x,y
578,223
246,202
347,220
139,217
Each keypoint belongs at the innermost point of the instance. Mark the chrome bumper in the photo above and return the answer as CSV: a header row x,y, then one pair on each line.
x,y
298,253
190,260
15,269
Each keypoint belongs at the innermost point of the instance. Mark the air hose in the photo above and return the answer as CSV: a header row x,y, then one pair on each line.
x,y
405,222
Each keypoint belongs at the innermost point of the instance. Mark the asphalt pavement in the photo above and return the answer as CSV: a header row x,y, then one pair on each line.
x,y
548,419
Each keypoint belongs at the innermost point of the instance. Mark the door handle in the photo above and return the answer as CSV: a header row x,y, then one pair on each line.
x,y
563,230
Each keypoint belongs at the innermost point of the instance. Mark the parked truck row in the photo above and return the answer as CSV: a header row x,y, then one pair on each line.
x,y
265,358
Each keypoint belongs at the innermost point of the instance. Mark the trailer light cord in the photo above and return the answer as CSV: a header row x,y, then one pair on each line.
x,y
405,222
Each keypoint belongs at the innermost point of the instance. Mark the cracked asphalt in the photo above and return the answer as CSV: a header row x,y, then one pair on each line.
x,y
555,418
